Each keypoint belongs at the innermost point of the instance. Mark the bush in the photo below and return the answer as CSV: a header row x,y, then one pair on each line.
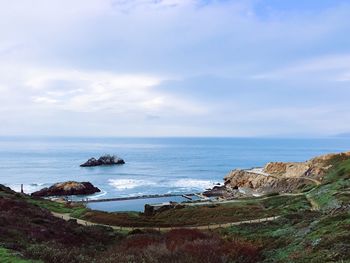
x,y
181,245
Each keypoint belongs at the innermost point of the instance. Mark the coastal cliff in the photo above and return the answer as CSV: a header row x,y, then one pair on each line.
x,y
315,168
283,176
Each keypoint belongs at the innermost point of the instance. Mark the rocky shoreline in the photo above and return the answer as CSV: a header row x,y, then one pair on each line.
x,y
276,177
273,178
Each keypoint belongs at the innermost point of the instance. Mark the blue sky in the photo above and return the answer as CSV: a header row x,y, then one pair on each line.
x,y
175,67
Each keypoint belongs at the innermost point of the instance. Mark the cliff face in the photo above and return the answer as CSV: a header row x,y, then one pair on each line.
x,y
286,169
315,168
284,177
264,184
243,178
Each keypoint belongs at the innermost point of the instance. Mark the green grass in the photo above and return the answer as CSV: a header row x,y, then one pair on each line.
x,y
287,204
340,171
300,237
306,236
75,211
335,191
6,256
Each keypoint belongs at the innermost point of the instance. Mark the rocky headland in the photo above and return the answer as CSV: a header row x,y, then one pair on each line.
x,y
103,160
67,188
281,177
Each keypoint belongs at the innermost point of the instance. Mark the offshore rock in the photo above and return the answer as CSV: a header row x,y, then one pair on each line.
x,y
103,160
67,188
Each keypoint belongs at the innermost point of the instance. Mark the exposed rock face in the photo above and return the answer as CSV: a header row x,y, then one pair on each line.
x,y
315,168
216,191
242,178
68,188
284,177
103,160
286,169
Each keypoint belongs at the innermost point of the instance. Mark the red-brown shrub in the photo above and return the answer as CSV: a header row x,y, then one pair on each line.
x,y
141,241
175,238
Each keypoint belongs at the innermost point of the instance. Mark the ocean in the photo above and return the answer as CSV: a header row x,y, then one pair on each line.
x,y
153,165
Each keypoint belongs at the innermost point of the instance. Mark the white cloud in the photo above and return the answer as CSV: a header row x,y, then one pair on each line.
x,y
79,91
331,67
98,65
91,91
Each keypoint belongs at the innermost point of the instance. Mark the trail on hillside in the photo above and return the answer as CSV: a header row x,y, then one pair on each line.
x,y
261,173
203,227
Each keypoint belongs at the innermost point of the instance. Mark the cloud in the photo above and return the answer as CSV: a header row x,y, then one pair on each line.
x,y
174,67
67,101
92,91
331,67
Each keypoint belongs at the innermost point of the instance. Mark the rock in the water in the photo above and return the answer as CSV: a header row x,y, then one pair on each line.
x,y
103,160
68,188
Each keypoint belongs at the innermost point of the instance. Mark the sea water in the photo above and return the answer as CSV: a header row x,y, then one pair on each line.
x,y
153,165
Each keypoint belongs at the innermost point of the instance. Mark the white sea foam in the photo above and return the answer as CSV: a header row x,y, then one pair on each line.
x,y
181,184
27,188
125,184
193,184
97,196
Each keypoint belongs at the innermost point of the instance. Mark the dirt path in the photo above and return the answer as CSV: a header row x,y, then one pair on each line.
x,y
204,227
259,171
317,182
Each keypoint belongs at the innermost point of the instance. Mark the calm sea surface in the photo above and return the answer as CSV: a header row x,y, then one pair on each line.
x,y
153,165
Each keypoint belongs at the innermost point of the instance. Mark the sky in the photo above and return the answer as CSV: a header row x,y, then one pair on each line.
x,y
239,68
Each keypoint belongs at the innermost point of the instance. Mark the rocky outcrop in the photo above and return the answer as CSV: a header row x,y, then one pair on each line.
x,y
284,177
68,188
242,178
103,160
264,184
286,169
215,191
315,168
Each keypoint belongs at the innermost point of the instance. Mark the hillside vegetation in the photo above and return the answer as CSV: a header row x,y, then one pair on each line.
x,y
28,232
313,226
322,235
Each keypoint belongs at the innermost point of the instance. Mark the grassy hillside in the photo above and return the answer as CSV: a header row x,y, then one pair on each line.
x,y
7,256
